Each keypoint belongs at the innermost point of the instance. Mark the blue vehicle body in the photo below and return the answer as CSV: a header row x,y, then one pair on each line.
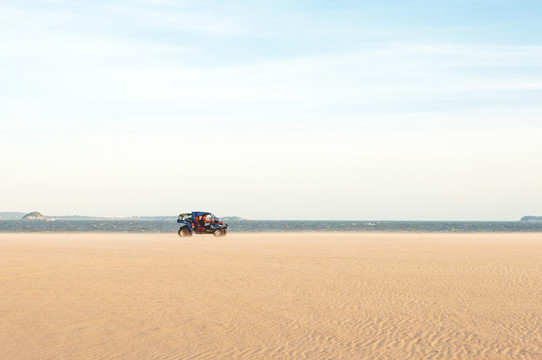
x,y
200,222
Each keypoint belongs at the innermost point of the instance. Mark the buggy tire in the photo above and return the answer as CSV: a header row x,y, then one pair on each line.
x,y
218,232
184,232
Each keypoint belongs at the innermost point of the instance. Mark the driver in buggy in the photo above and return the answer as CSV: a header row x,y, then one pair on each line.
x,y
201,222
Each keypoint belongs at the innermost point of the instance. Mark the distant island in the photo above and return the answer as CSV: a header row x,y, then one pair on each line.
x,y
531,218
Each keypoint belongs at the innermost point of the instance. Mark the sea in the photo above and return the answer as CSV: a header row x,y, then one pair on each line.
x,y
171,226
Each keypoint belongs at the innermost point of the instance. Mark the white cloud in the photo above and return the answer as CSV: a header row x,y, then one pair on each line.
x,y
370,82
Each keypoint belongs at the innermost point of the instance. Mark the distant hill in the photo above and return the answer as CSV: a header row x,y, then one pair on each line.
x,y
531,218
35,215
11,215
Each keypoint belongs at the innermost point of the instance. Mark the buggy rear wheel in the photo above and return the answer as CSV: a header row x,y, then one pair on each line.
x,y
183,232
219,232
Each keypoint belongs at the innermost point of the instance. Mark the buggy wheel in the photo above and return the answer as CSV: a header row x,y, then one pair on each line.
x,y
184,232
218,232
224,232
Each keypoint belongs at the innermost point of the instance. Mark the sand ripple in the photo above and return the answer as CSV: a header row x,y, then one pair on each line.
x,y
271,296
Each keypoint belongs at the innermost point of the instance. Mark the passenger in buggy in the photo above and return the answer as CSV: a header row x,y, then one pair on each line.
x,y
208,221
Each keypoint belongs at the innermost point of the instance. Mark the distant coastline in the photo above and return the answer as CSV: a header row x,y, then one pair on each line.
x,y
531,218
11,215
36,215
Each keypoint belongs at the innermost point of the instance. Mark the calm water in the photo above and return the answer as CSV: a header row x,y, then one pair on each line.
x,y
165,226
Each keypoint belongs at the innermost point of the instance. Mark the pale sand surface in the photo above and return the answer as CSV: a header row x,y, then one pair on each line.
x,y
271,296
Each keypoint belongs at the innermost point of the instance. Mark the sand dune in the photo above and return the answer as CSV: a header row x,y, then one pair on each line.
x,y
271,296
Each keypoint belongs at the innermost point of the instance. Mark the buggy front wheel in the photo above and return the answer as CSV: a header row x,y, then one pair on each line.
x,y
183,232
219,232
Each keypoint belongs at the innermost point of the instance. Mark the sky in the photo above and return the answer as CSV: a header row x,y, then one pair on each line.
x,y
369,110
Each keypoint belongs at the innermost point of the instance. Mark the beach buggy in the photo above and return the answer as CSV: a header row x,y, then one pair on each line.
x,y
201,222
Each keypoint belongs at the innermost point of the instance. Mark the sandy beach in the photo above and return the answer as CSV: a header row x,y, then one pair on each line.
x,y
271,296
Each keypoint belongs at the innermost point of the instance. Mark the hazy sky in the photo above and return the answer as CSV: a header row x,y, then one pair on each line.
x,y
272,109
